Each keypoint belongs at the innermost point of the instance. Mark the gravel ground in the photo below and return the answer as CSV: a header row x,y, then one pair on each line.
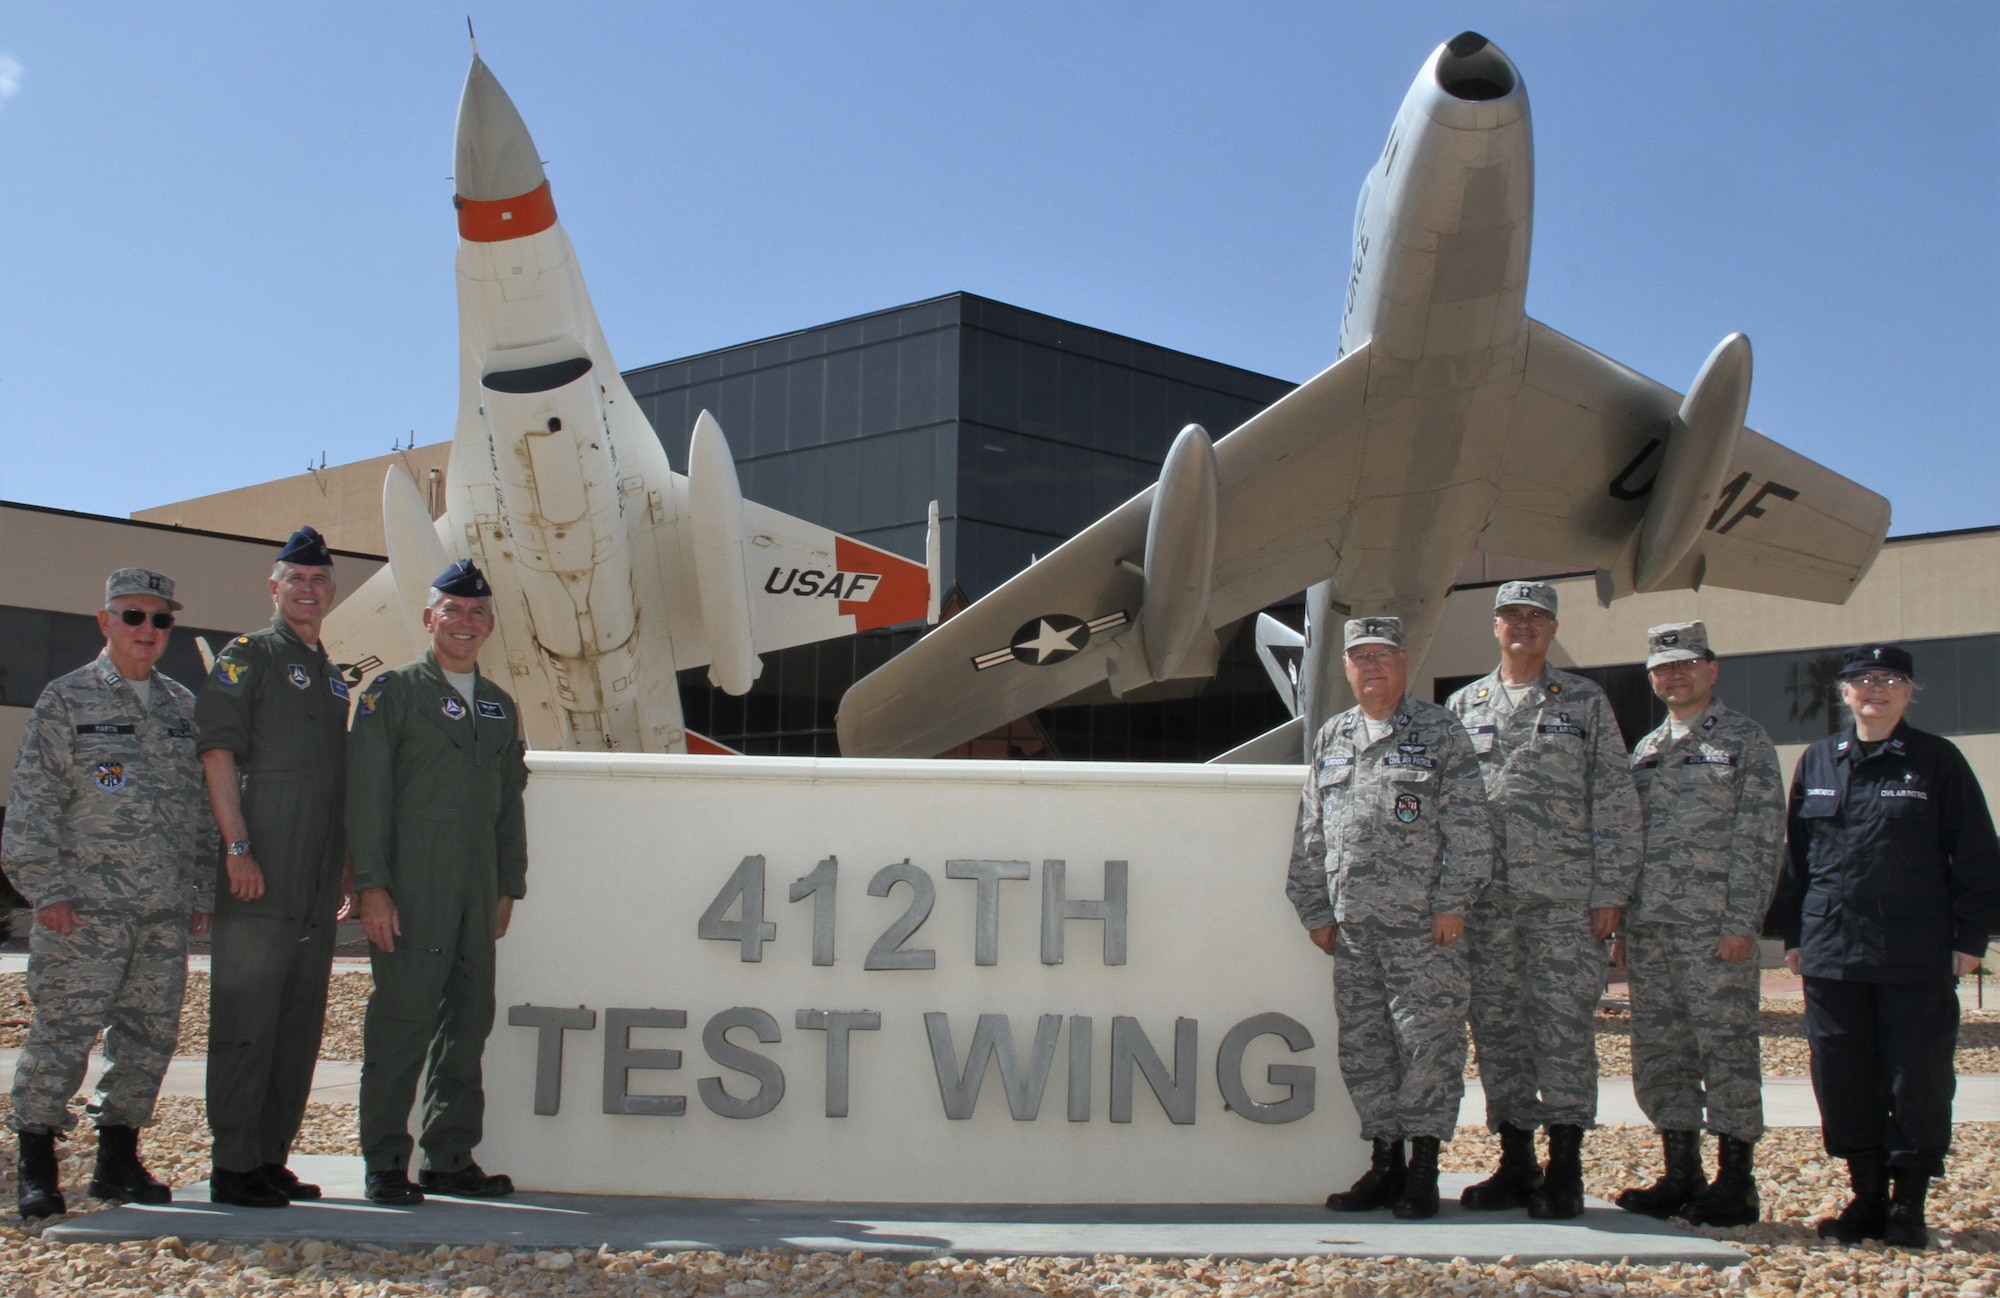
x,y
347,998
1785,1256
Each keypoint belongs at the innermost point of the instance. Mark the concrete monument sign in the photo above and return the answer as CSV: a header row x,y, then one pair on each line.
x,y
903,981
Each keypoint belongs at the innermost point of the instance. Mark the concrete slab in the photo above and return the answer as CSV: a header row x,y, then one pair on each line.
x,y
529,1221
335,1081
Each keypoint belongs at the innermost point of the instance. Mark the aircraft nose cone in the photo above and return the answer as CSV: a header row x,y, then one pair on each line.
x,y
495,157
1470,67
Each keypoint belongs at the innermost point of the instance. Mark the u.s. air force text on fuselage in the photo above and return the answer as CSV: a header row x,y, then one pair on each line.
x,y
1024,1080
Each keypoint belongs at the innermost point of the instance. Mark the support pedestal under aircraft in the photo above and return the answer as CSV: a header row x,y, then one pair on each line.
x,y
610,572
1449,422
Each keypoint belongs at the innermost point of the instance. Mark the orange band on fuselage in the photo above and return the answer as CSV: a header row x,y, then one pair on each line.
x,y
507,218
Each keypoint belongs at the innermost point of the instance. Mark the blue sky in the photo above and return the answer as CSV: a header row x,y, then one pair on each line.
x,y
226,235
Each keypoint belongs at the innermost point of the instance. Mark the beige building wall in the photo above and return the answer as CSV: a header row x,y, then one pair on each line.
x,y
1922,587
57,561
344,501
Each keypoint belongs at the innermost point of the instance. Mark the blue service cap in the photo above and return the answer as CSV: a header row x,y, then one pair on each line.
x,y
307,548
1878,658
462,578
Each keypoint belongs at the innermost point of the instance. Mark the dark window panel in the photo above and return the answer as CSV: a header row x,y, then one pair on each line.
x,y
805,412
736,361
736,410
1039,396
1076,401
918,380
878,389
770,404
771,354
843,396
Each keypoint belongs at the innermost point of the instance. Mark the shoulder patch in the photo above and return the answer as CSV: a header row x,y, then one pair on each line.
x,y
228,673
370,699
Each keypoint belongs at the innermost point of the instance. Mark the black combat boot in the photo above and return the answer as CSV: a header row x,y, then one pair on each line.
x,y
1518,1177
1420,1185
1906,1228
1866,1215
1561,1195
1379,1186
251,1189
39,1187
286,1182
1678,1185
1732,1200
120,1176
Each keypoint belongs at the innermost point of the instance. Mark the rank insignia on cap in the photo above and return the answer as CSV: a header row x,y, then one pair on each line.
x,y
491,710
1670,637
369,700
1407,807
452,706
298,676
110,776
228,674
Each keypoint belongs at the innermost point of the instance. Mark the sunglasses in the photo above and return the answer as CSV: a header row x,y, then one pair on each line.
x,y
138,616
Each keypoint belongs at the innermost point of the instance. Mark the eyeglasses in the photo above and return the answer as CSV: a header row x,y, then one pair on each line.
x,y
1878,680
138,616
1369,659
1676,667
1533,616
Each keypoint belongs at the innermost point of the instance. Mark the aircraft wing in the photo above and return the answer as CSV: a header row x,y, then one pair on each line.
x,y
1585,448
1285,481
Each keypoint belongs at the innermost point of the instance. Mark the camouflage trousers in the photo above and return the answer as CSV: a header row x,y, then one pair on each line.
x,y
1402,1000
1537,975
1694,1031
121,972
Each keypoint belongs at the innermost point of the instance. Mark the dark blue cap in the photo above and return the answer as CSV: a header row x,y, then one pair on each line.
x,y
1878,658
462,578
307,549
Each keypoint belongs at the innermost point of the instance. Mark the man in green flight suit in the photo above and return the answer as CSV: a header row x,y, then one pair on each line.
x,y
273,721
434,779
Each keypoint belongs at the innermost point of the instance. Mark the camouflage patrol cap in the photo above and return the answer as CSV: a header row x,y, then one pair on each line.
x,y
1538,593
139,581
1673,642
1374,630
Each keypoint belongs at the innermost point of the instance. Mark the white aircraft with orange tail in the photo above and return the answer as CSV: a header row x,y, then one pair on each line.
x,y
610,571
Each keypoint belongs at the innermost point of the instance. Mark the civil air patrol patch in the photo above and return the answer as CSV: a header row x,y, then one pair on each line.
x,y
452,706
338,687
298,676
110,776
369,700
1403,761
1408,805
229,674
491,710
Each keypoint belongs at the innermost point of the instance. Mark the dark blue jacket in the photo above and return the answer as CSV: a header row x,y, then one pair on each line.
x,y
1890,860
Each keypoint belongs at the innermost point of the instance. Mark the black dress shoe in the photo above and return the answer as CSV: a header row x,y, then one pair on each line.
x,y
245,1189
468,1182
392,1187
286,1182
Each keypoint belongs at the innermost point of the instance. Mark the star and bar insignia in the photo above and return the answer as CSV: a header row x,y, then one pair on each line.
x,y
1049,639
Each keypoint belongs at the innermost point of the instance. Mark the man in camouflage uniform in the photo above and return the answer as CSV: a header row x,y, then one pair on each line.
x,y
1714,800
273,720
1566,830
104,837
1393,843
434,821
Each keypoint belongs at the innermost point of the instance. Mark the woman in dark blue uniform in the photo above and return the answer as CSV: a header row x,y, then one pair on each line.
x,y
1892,886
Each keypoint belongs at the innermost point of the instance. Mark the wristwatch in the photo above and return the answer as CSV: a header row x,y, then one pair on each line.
x,y
241,847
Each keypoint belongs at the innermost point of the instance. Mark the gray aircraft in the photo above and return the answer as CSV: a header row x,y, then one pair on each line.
x,y
1449,422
